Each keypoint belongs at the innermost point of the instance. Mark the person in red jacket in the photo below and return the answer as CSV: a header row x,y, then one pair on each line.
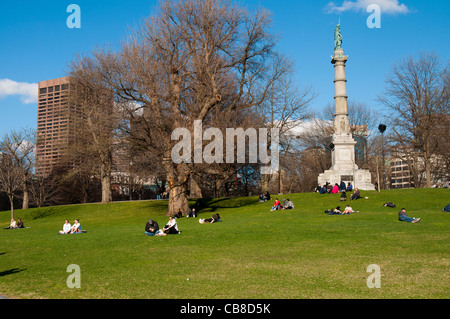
x,y
276,205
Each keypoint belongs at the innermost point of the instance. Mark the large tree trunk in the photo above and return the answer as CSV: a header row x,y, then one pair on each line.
x,y
178,178
195,190
11,201
26,196
106,185
178,199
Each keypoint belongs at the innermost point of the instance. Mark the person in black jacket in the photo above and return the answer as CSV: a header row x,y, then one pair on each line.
x,y
152,229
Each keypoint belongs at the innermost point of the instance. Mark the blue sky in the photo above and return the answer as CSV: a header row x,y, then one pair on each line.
x,y
37,45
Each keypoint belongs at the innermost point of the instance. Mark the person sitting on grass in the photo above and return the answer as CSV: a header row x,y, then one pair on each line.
x,y
66,228
12,224
347,210
343,197
76,227
192,213
20,223
171,227
349,187
178,214
402,216
152,229
289,204
335,189
356,195
276,205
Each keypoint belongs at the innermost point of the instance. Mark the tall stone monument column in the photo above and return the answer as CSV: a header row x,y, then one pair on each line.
x,y
343,167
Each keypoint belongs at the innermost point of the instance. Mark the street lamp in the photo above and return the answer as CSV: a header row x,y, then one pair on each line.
x,y
382,129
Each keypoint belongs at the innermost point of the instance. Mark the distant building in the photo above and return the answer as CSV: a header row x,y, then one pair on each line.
x,y
401,176
360,134
55,124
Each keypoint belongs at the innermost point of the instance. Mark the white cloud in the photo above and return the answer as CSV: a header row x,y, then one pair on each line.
x,y
28,92
386,6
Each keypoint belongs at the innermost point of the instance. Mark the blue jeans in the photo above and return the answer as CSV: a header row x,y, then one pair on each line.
x,y
406,219
150,234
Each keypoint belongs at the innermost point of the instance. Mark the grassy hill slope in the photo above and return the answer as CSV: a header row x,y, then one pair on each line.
x,y
252,253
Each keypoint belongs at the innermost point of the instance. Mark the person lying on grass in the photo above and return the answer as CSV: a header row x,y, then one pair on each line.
x,y
214,219
402,216
336,211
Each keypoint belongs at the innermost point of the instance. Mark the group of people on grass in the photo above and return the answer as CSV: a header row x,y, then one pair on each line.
x,y
287,204
264,197
171,228
330,189
15,225
337,211
71,229
152,227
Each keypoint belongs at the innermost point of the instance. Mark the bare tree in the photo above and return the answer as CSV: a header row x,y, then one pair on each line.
x,y
192,57
97,122
20,146
314,141
45,190
417,95
285,108
11,178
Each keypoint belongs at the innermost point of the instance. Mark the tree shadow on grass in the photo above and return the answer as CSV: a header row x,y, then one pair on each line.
x,y
10,272
212,204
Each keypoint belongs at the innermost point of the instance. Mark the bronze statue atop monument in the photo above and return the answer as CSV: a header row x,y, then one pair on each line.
x,y
337,37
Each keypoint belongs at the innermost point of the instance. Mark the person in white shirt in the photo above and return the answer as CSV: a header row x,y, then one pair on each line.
x,y
66,228
171,227
76,227
347,210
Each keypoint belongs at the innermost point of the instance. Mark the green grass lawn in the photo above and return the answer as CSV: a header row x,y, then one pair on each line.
x,y
252,254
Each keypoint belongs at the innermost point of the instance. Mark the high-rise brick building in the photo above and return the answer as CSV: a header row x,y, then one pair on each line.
x,y
55,124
